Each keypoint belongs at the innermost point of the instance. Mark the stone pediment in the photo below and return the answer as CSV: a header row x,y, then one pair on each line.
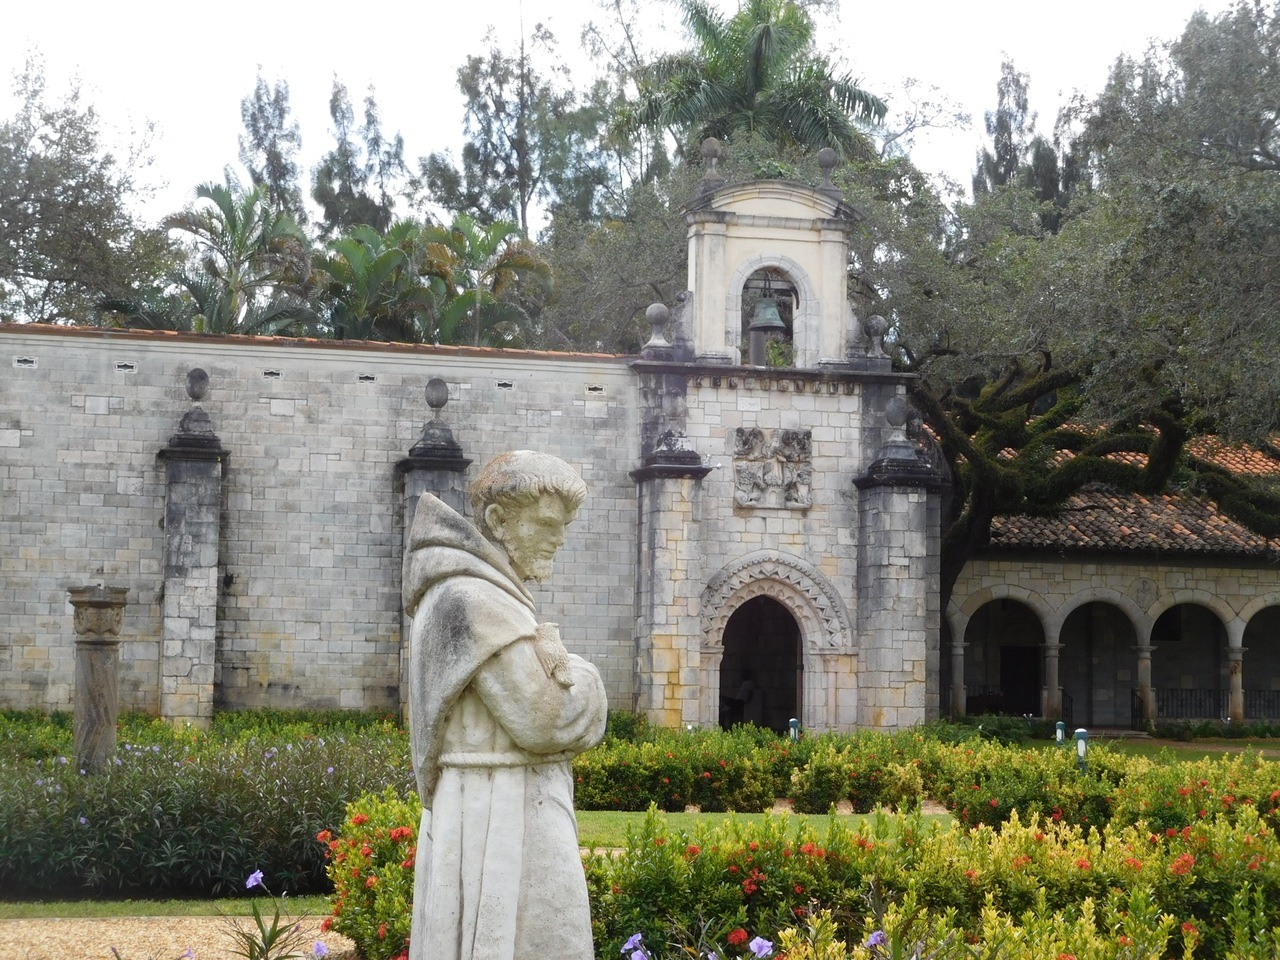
x,y
773,201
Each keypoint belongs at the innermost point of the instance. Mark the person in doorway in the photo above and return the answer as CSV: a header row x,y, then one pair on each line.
x,y
498,708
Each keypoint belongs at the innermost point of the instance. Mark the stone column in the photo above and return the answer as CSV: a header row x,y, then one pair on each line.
x,y
898,568
192,531
99,612
435,465
1051,692
1146,694
1235,670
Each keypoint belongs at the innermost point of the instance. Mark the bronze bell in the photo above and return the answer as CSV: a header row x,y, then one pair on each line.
x,y
765,322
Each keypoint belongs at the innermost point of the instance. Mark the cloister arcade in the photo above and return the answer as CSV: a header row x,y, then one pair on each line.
x,y
1113,656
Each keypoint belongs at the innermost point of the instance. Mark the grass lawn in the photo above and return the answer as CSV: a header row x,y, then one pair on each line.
x,y
1177,751
237,907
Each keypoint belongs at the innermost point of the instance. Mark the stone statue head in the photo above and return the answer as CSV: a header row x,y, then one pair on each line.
x,y
522,501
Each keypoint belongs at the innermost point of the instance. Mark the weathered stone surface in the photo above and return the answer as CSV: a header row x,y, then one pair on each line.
x,y
498,708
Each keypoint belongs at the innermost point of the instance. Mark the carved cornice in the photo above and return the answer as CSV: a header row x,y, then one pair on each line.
x,y
825,624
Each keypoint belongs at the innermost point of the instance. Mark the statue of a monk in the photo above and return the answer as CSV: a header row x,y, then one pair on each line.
x,y
498,708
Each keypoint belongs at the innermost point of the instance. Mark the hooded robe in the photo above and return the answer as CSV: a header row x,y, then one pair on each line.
x,y
498,874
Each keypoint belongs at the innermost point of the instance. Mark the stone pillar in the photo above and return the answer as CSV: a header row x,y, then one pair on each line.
x,y
1235,670
99,612
1146,694
898,568
192,530
435,465
1051,692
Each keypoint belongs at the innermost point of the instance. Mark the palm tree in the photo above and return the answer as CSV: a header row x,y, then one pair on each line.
x,y
483,266
756,71
383,286
251,263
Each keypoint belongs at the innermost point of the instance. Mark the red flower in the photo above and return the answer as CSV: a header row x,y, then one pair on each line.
x,y
737,937
371,882
1190,930
365,850
691,851
659,841
324,836
382,931
1182,865
971,874
359,819
994,802
1082,863
326,924
400,833
1133,863
406,864
799,888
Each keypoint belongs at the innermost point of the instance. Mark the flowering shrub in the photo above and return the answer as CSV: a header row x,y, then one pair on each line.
x,y
371,865
1057,888
180,810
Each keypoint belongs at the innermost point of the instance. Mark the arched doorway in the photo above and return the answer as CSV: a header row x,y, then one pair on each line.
x,y
760,671
1189,664
1097,666
1261,665
1002,667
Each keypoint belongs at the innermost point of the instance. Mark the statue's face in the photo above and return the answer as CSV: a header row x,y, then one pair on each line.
x,y
531,534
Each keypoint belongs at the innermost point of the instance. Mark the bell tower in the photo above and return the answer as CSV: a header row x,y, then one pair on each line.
x,y
758,246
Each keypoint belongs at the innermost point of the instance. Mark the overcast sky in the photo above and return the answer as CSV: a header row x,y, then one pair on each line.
x,y
187,66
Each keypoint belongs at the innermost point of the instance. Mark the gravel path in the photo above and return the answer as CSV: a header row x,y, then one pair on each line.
x,y
143,938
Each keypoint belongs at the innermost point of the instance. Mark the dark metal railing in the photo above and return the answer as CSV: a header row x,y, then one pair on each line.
x,y
1173,703
1261,705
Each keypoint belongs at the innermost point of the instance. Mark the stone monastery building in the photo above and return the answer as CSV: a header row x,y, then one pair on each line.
x,y
748,525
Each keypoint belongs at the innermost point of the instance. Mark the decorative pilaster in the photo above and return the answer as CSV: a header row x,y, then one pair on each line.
x,y
435,465
671,667
99,613
192,529
898,568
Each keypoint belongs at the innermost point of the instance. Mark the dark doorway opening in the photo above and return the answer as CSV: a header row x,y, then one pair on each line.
x,y
760,672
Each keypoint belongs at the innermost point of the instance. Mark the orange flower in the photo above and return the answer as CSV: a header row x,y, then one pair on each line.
x,y
1182,865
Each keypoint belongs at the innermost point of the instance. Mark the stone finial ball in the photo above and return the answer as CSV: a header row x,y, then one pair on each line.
x,y
657,314
827,159
197,384
875,326
437,393
898,411
710,149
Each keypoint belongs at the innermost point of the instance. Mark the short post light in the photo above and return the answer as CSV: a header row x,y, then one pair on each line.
x,y
1060,733
794,724
1082,747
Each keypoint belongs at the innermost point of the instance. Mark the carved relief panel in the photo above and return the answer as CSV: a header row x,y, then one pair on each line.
x,y
772,469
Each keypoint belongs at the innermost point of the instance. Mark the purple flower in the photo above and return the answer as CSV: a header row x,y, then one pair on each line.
x,y
319,949
255,880
188,954
760,947
83,821
877,939
632,943
639,955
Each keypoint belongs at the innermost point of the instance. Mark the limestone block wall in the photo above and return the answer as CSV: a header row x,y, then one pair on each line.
x,y
825,534
308,594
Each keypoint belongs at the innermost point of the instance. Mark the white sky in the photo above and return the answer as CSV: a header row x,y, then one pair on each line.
x,y
186,66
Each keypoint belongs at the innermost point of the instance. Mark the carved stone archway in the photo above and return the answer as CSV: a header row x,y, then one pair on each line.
x,y
827,647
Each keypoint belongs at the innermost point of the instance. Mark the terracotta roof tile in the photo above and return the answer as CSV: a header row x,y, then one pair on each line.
x,y
1102,519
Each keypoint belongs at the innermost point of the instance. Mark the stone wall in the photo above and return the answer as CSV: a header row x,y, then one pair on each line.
x,y
308,608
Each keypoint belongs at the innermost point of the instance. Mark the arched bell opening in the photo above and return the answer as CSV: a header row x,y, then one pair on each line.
x,y
770,303
760,673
